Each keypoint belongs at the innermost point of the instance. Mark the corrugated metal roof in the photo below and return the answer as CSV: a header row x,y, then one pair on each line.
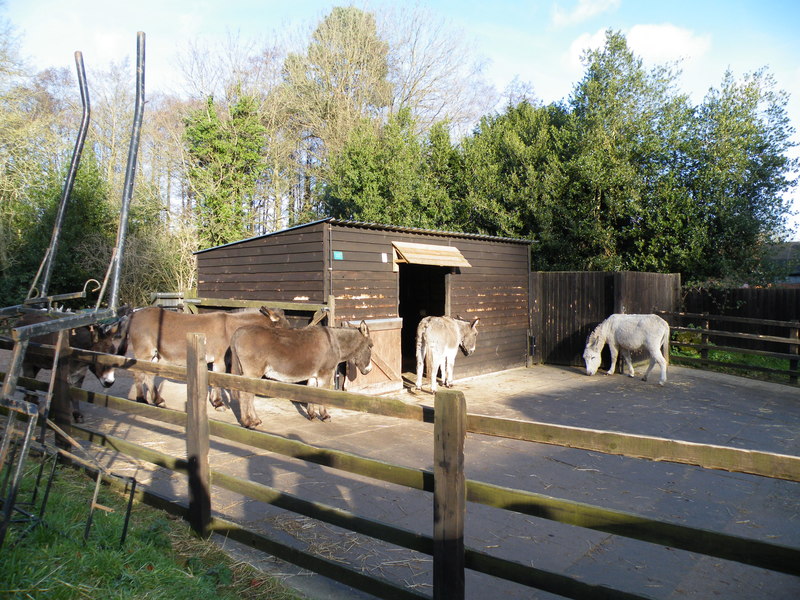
x,y
378,226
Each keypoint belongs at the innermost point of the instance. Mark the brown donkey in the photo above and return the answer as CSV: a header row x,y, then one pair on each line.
x,y
293,355
159,335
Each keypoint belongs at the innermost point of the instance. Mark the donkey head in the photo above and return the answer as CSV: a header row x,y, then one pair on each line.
x,y
362,354
109,338
276,316
469,336
591,355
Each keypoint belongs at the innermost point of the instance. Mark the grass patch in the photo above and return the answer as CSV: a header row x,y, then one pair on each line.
x,y
739,358
161,557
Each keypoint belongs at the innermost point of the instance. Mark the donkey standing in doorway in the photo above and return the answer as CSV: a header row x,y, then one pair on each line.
x,y
438,340
629,333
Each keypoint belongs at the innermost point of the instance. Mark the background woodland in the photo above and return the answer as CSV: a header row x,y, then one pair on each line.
x,y
388,118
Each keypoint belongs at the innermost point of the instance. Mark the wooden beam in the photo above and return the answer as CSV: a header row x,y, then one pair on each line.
x,y
449,495
197,442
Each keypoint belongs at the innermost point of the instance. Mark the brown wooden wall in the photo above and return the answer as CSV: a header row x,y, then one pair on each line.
x,y
779,303
566,306
309,263
494,289
282,267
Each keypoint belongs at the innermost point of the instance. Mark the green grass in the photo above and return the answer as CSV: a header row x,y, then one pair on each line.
x,y
161,558
739,358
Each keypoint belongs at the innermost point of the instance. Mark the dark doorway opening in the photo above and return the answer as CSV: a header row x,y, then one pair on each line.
x,y
422,294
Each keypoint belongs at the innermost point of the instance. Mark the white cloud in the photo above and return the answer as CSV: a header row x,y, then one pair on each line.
x,y
585,41
657,44
582,11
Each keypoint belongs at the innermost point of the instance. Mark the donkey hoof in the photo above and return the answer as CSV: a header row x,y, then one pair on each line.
x,y
220,408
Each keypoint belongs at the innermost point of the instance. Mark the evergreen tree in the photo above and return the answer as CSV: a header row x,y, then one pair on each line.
x,y
392,176
226,162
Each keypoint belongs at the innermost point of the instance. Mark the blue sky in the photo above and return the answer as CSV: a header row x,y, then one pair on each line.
x,y
537,41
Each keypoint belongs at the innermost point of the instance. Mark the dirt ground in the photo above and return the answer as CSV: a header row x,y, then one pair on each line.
x,y
693,405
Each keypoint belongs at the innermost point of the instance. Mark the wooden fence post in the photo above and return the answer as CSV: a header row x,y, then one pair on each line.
x,y
704,340
61,401
197,443
449,495
794,333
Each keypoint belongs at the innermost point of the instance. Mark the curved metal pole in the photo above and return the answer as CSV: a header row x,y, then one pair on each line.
x,y
46,268
130,173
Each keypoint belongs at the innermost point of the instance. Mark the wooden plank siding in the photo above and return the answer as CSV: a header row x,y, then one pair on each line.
x,y
354,262
288,267
494,289
566,306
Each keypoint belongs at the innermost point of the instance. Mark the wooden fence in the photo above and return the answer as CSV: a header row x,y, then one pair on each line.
x,y
779,303
705,332
566,306
450,489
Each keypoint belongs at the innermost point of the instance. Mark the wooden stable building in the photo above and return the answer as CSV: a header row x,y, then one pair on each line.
x,y
391,277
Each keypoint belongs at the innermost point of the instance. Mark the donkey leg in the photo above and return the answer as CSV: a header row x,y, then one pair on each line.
x,y
449,361
614,352
158,399
435,367
319,410
662,363
215,393
323,411
653,361
626,354
250,419
420,366
142,387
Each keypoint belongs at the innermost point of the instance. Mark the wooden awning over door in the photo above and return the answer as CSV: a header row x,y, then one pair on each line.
x,y
429,254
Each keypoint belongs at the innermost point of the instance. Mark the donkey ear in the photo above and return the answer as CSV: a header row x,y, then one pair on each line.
x,y
276,315
475,323
363,328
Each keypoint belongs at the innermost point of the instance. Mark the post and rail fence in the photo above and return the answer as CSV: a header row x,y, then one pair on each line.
x,y
450,489
706,332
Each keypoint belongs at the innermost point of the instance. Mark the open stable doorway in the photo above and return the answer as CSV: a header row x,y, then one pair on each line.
x,y
423,293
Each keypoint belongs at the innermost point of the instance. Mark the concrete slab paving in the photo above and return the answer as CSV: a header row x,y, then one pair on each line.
x,y
693,405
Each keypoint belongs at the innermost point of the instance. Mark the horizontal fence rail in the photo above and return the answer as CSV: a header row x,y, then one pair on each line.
x,y
621,523
694,331
748,551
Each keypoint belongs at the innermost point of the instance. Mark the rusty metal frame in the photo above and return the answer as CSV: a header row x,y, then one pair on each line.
x,y
28,412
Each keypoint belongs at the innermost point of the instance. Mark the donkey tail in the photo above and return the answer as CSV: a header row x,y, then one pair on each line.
x,y
665,344
422,339
232,359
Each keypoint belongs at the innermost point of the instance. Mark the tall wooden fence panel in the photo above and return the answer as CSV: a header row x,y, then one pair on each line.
x,y
567,305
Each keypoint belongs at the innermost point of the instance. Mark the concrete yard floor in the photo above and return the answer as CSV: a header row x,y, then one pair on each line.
x,y
695,406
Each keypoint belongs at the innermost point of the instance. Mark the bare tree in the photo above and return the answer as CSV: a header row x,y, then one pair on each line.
x,y
433,70
339,80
